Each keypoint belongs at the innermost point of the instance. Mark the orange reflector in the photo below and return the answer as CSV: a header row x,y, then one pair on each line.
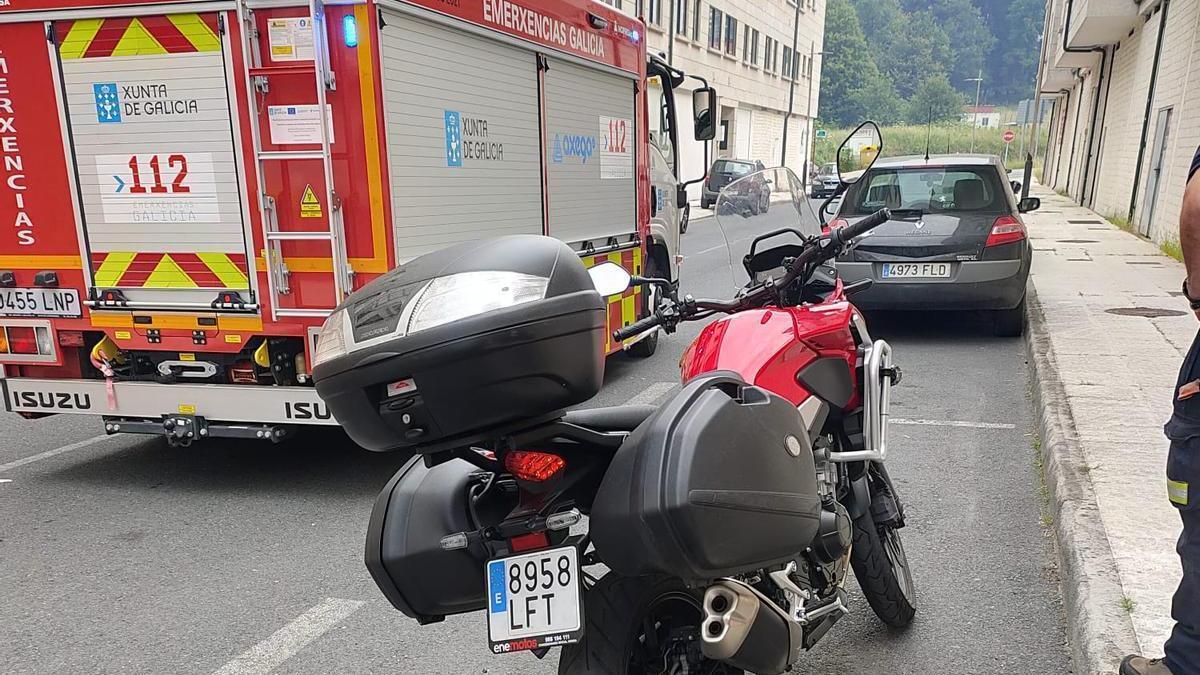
x,y
70,338
3,341
535,467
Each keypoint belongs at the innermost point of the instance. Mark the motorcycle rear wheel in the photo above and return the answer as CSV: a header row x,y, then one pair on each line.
x,y
633,627
883,572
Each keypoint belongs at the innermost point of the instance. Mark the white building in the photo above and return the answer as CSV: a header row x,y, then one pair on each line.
x,y
1125,79
982,116
744,48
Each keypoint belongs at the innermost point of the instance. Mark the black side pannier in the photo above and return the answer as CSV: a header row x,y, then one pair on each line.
x,y
719,481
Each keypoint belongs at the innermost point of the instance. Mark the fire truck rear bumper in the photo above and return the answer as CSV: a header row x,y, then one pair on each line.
x,y
137,404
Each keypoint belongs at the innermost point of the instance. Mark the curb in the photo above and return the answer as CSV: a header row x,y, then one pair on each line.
x,y
1099,632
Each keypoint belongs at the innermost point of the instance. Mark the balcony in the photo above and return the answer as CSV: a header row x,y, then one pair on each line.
x,y
1055,80
1101,22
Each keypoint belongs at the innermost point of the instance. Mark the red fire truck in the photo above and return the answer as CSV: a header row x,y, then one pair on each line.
x,y
190,187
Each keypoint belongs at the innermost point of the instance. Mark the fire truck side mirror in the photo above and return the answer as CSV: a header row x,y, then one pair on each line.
x,y
704,108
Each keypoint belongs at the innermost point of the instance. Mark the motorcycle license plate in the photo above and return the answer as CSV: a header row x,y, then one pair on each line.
x,y
535,600
916,271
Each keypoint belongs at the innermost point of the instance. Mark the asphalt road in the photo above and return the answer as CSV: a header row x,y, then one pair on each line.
x,y
126,556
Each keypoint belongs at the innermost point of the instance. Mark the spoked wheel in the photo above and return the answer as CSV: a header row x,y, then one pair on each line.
x,y
640,626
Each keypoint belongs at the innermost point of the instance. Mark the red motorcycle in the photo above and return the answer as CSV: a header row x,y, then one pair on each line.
x,y
728,518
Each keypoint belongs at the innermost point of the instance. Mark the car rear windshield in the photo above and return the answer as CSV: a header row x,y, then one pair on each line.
x,y
732,168
929,190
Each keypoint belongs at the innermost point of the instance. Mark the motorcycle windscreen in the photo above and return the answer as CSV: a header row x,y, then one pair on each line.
x,y
761,202
148,106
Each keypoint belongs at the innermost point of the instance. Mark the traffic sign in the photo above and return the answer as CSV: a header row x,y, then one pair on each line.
x,y
1009,136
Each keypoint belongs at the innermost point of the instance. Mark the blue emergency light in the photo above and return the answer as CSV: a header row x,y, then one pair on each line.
x,y
350,30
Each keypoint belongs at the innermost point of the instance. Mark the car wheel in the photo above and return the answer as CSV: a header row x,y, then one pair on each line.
x,y
705,204
766,203
1010,322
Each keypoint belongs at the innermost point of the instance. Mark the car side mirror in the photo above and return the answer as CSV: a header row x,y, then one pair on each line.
x,y
704,110
681,198
1029,204
1016,186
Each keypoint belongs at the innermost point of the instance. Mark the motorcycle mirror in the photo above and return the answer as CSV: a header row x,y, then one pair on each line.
x,y
858,152
610,278
704,110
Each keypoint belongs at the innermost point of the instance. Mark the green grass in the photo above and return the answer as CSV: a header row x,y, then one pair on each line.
x,y
909,139
1127,603
1120,221
1171,247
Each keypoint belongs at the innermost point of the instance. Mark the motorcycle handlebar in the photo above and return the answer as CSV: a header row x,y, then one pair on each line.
x,y
636,328
844,235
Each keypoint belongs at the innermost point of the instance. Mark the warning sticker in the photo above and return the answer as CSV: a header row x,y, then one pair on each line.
x,y
616,148
291,39
310,206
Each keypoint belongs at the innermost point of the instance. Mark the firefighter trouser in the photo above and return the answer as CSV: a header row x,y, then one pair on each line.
x,y
1183,489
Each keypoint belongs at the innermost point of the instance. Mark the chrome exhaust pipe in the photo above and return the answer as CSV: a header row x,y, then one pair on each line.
x,y
746,630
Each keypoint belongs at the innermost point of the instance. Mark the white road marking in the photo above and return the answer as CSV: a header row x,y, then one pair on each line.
x,y
286,642
950,423
5,480
651,394
51,453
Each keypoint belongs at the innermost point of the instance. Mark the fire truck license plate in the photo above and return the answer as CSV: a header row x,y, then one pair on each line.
x,y
49,302
534,600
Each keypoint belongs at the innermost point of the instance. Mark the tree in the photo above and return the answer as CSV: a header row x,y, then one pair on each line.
x,y
935,99
1011,70
852,87
970,39
921,50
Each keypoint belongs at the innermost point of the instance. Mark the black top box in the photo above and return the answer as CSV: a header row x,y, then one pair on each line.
x,y
453,346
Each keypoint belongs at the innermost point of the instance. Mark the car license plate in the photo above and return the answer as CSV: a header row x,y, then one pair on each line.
x,y
916,270
46,302
534,600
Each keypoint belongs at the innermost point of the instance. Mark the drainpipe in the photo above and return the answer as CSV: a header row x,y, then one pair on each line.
x,y
1137,168
1090,49
1075,133
1091,141
1096,177
1062,136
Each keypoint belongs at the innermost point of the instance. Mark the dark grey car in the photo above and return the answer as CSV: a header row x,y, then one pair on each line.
x,y
956,240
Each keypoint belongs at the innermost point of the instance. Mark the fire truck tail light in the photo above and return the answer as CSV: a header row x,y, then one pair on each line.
x,y
27,341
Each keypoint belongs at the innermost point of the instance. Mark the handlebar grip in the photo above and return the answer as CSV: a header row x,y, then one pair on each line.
x,y
851,232
636,328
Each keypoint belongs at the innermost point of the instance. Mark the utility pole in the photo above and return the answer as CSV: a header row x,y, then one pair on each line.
x,y
787,119
975,119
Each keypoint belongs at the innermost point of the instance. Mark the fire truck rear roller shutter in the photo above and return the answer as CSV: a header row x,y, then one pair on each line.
x,y
463,135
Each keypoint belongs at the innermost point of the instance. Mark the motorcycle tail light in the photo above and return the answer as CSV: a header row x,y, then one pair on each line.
x,y
1005,230
534,467
529,542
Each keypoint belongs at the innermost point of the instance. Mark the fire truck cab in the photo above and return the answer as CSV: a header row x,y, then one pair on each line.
x,y
189,188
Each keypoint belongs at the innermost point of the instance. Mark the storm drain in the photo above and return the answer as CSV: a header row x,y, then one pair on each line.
x,y
1147,312
1085,222
1151,263
1077,241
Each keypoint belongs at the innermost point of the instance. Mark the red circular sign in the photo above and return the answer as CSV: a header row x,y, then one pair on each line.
x,y
1009,136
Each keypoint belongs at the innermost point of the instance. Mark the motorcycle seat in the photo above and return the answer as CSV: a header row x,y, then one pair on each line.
x,y
615,418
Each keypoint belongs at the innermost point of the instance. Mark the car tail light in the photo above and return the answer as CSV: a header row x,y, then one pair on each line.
x,y
1005,230
27,341
535,467
834,224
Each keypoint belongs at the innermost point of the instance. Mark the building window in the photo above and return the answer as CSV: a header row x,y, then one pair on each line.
x,y
787,61
654,12
746,44
731,36
754,48
696,21
681,17
716,22
768,54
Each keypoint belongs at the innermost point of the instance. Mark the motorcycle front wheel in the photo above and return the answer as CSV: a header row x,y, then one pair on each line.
x,y
637,626
882,570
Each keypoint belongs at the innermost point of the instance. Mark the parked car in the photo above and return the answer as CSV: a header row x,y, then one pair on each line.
x,y
826,182
956,240
722,173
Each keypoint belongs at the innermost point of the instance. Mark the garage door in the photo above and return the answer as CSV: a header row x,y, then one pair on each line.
x,y
590,153
463,135
148,107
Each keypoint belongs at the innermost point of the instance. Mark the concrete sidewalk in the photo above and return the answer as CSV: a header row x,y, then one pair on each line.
x,y
1108,332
